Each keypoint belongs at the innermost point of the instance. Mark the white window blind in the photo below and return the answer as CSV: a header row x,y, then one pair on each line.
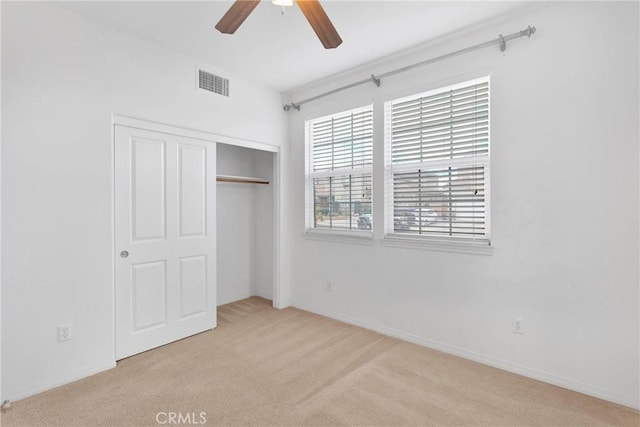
x,y
338,173
437,163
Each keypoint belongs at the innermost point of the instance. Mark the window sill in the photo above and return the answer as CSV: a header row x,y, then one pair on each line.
x,y
357,238
476,248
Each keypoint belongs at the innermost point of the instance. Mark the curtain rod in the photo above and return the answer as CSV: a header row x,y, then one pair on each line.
x,y
501,41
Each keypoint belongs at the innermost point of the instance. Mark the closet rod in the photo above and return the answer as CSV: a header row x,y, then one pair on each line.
x,y
501,41
241,179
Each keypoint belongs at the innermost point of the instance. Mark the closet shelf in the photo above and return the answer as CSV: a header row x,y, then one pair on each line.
x,y
241,179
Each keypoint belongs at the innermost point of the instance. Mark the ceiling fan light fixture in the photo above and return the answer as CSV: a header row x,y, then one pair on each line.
x,y
311,9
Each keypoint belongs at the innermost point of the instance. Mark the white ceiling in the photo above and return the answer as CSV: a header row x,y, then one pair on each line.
x,y
282,51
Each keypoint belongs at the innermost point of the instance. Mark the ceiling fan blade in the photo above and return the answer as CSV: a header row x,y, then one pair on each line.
x,y
315,14
236,15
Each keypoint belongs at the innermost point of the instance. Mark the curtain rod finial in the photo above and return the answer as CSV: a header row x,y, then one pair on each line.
x,y
529,31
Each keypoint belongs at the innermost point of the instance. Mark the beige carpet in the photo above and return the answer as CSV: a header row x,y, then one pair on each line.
x,y
263,366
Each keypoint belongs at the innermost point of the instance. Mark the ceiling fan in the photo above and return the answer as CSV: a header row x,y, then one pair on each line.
x,y
312,10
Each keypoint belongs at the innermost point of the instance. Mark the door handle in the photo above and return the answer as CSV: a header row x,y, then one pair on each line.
x,y
124,254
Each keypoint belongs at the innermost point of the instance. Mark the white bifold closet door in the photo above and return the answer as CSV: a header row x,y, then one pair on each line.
x,y
165,238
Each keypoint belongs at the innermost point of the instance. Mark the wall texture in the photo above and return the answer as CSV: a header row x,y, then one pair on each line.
x,y
565,194
564,184
60,85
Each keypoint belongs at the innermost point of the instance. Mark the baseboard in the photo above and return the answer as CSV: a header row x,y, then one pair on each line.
x,y
535,374
234,299
263,296
62,380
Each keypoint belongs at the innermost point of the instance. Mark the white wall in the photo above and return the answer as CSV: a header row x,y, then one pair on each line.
x,y
264,225
60,85
1,212
564,176
235,226
244,226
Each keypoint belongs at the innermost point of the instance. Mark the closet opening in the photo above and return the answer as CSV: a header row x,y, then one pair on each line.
x,y
245,223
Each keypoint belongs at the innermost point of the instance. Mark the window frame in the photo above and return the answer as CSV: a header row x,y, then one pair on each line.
x,y
447,243
348,235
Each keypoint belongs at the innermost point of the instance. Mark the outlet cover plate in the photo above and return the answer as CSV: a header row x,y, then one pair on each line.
x,y
518,325
64,333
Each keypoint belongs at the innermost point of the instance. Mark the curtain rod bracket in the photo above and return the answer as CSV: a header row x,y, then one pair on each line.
x,y
293,105
502,43
375,80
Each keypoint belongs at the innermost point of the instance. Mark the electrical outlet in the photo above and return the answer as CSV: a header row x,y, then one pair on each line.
x,y
329,285
518,325
64,333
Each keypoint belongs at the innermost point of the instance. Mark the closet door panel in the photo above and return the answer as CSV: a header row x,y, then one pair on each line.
x,y
149,289
148,188
192,190
165,232
193,285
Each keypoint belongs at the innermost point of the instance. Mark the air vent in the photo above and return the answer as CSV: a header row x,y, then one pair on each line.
x,y
212,83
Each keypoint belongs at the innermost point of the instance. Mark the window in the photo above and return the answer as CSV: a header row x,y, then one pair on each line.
x,y
437,164
338,173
